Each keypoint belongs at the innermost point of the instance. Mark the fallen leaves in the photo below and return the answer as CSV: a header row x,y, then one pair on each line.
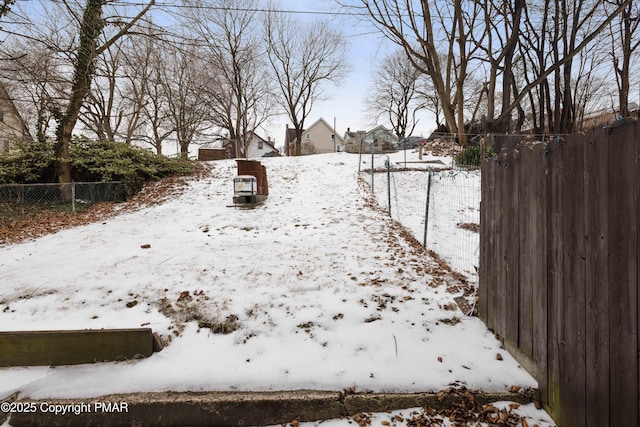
x,y
459,405
49,222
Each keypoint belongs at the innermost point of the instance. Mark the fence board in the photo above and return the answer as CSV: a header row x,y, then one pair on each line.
x,y
511,248
572,303
487,223
554,255
498,299
637,180
527,236
538,263
623,277
596,292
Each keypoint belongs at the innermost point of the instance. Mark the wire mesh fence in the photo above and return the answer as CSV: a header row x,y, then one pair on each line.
x,y
23,200
438,201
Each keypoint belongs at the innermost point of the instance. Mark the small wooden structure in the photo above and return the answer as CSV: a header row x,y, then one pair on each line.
x,y
250,187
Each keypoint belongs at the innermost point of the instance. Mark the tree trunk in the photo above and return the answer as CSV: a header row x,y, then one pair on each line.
x,y
91,27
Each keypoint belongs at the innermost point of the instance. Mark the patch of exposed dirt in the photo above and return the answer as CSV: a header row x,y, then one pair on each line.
x,y
469,226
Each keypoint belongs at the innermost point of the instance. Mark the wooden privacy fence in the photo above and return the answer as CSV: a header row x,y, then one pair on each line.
x,y
559,268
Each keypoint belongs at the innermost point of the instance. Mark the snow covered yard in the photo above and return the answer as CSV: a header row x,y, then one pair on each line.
x,y
314,289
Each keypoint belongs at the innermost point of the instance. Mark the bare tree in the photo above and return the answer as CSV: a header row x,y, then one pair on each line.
x,y
624,42
239,88
92,26
74,35
557,32
302,60
461,29
395,93
32,75
102,113
424,32
144,90
183,88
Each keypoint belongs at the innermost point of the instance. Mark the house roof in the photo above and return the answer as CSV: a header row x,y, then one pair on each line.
x,y
383,129
256,138
324,122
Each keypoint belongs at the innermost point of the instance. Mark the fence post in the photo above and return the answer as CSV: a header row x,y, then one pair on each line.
x,y
426,213
73,197
372,152
389,183
360,155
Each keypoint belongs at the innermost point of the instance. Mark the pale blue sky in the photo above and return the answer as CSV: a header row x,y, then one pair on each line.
x,y
347,104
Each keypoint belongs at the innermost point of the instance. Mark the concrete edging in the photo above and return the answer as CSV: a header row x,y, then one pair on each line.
x,y
228,408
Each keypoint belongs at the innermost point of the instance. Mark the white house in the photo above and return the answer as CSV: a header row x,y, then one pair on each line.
x,y
226,149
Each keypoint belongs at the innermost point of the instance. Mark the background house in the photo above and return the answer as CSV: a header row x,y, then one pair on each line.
x,y
353,140
319,138
226,149
382,138
12,127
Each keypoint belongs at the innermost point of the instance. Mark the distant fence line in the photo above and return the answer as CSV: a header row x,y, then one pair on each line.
x,y
438,205
559,269
17,199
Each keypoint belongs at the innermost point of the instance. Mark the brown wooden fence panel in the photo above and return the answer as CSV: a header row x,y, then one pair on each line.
x,y
511,248
538,265
559,269
487,246
554,257
637,180
527,233
498,303
597,293
572,309
623,276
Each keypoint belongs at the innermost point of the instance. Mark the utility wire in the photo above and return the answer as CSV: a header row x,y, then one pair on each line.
x,y
171,5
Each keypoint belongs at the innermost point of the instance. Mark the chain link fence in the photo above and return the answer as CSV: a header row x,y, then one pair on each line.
x,y
23,200
436,199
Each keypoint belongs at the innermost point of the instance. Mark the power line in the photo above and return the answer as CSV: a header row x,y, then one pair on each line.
x,y
171,5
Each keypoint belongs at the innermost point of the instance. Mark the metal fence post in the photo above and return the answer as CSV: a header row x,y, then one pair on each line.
x,y
372,152
389,183
360,155
73,197
426,213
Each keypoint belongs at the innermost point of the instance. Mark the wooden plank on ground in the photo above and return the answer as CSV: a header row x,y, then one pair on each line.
x,y
33,348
